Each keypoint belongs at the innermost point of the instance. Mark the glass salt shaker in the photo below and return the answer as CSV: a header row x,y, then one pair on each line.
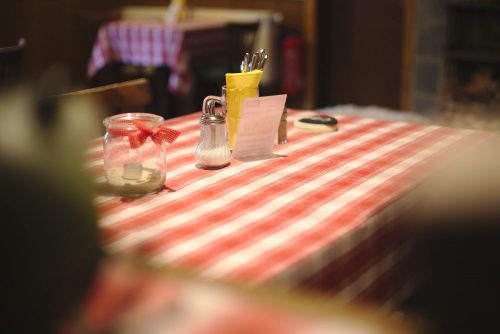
x,y
212,151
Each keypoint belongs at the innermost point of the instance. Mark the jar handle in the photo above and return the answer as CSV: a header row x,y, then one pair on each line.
x,y
207,107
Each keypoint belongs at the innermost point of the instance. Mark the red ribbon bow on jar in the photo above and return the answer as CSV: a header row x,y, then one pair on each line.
x,y
138,137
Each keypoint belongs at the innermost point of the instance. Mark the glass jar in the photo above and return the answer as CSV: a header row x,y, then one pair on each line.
x,y
134,155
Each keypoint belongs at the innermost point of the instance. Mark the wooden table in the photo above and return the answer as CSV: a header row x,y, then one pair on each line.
x,y
326,214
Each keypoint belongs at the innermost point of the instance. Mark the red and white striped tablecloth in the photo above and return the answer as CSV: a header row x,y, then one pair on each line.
x,y
324,214
155,43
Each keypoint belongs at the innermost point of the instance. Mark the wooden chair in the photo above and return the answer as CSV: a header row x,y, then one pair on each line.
x,y
161,100
128,96
10,62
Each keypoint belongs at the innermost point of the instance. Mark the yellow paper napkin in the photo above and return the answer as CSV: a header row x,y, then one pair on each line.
x,y
238,87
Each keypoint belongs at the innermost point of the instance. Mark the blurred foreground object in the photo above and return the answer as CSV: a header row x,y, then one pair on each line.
x,y
132,298
457,236
50,245
10,62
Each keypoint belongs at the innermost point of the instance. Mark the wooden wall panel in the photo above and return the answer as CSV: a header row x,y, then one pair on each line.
x,y
11,23
408,47
360,57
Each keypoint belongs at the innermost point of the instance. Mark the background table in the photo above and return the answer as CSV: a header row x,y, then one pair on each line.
x,y
326,214
155,43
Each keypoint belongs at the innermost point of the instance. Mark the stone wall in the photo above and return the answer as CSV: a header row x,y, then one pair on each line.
x,y
429,57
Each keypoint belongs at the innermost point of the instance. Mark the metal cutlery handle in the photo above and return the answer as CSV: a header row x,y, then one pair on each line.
x,y
254,62
262,62
245,62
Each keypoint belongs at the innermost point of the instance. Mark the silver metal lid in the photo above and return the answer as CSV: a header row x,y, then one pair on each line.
x,y
212,119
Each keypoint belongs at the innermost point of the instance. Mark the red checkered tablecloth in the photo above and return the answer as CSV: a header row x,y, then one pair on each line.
x,y
325,214
154,43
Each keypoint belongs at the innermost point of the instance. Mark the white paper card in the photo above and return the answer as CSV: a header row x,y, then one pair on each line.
x,y
258,126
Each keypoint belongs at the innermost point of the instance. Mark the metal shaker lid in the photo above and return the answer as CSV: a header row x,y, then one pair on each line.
x,y
212,119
